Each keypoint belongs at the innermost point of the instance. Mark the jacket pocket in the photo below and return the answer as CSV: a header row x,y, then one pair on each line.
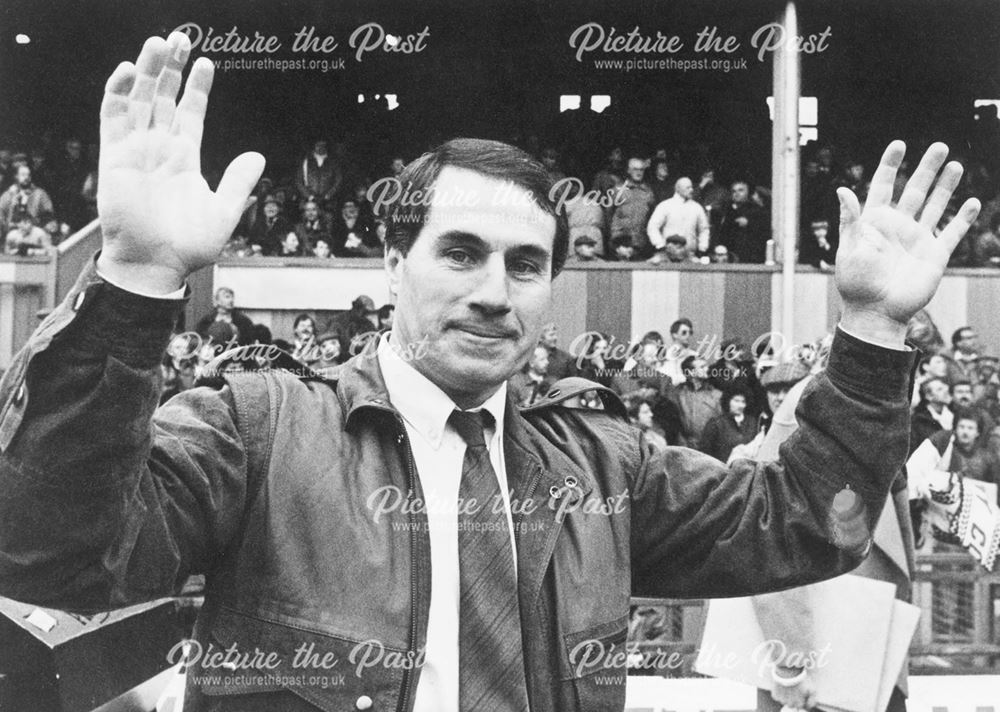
x,y
594,663
250,655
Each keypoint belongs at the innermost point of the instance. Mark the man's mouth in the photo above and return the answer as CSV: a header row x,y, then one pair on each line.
x,y
484,331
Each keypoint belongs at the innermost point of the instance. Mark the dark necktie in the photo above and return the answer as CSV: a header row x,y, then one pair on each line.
x,y
491,661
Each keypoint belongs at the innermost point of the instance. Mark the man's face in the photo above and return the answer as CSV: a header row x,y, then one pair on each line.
x,y
23,176
539,362
737,405
305,329
811,169
585,251
962,394
25,225
270,210
856,172
699,368
684,188
322,249
616,156
549,160
476,284
291,242
350,210
966,432
636,169
662,171
330,349
644,417
775,397
968,342
820,230
224,299
937,392
676,251
398,164
179,347
741,192
682,337
310,211
650,356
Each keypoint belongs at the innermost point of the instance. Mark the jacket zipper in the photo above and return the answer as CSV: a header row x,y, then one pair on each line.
x,y
529,493
414,546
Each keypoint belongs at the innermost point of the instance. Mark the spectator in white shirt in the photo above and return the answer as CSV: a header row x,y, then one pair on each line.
x,y
679,215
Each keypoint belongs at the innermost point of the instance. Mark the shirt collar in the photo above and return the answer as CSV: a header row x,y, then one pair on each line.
x,y
421,403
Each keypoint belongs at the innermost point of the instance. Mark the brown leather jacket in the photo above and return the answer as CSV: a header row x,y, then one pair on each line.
x,y
263,483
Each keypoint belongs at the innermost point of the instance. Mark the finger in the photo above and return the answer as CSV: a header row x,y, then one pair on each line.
x,y
945,188
922,179
169,81
850,213
114,107
959,225
190,116
148,66
238,182
884,179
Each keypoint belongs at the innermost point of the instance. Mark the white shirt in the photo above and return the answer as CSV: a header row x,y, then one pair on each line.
x,y
438,452
677,216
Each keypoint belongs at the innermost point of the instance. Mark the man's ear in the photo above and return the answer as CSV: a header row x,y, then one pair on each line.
x,y
394,263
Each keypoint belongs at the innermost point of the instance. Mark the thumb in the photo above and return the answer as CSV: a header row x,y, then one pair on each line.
x,y
238,181
850,213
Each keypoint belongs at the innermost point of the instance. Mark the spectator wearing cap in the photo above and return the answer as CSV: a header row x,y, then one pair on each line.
x,y
777,381
680,215
676,251
359,320
23,196
27,239
732,427
584,250
331,353
351,236
267,234
386,313
696,399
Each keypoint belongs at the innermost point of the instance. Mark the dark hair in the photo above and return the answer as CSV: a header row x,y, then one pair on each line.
x,y
385,310
493,159
961,382
301,318
956,335
688,364
731,392
967,414
925,386
676,326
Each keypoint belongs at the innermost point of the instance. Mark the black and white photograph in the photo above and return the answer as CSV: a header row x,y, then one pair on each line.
x,y
500,356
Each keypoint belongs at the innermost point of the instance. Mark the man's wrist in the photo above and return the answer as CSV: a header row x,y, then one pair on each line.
x,y
874,327
148,280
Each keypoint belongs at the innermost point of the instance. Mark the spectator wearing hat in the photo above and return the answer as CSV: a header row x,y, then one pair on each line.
x,y
584,250
734,426
681,215
777,381
267,234
27,239
331,353
355,323
676,251
351,236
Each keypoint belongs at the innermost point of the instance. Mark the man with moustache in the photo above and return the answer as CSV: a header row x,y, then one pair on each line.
x,y
266,481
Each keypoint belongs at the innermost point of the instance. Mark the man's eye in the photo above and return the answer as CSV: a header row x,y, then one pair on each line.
x,y
459,256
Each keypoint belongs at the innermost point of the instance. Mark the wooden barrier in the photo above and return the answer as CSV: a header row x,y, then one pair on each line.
x,y
26,287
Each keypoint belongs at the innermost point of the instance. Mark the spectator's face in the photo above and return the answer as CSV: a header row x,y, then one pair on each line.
x,y
398,164
617,156
291,242
825,157
624,252
684,188
937,392
682,336
361,192
179,348
24,176
820,230
968,342
650,356
741,193
966,432
636,169
937,366
811,169
320,148
25,224
775,397
380,230
962,394
699,368
662,171
310,211
330,349
549,160
270,210
305,329
585,251
476,284
737,405
539,363
224,299
349,211
322,249
856,172
550,336
720,254
676,251
74,149
644,417
52,227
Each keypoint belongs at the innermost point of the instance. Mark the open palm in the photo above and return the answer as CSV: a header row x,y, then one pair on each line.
x,y
159,219
890,262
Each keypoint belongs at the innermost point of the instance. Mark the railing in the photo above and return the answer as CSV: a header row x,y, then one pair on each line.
x,y
958,633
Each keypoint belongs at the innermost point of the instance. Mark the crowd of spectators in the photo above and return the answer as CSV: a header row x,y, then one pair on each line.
x,y
44,196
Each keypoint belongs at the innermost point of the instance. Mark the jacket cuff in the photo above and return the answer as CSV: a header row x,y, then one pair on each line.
x,y
872,371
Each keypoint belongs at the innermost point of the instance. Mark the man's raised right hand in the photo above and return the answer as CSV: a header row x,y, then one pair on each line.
x,y
159,219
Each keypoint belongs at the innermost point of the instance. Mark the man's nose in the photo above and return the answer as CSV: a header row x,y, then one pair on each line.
x,y
492,286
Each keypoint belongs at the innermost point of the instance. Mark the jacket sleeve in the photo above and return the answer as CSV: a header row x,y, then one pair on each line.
x,y
103,503
700,529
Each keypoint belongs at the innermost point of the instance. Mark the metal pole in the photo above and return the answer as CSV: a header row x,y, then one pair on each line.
x,y
785,163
